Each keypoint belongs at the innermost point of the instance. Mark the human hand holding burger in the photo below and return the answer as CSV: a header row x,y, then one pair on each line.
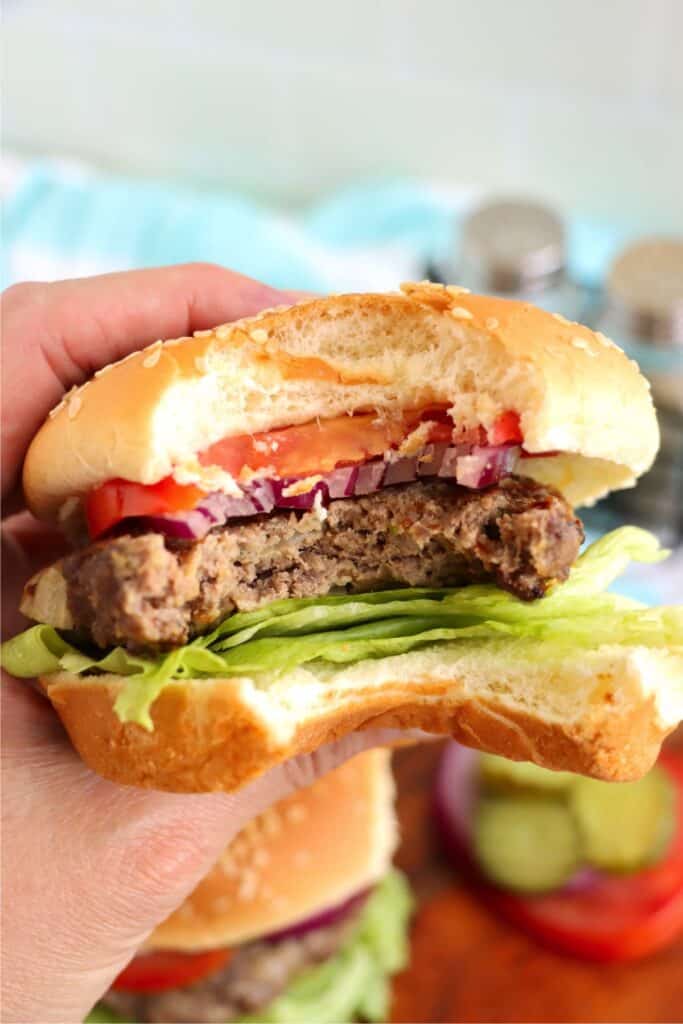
x,y
91,868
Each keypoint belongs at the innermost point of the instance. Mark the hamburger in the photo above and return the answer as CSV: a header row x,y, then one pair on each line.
x,y
354,511
302,919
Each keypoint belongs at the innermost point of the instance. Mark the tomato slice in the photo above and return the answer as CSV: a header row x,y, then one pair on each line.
x,y
158,971
316,447
506,429
613,918
115,500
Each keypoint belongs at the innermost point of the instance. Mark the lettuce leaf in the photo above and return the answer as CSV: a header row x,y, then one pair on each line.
x,y
352,984
341,629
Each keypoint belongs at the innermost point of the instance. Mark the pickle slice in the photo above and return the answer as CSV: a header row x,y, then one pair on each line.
x,y
624,826
503,775
526,843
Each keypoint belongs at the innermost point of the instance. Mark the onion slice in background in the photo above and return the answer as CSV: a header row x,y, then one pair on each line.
x,y
321,919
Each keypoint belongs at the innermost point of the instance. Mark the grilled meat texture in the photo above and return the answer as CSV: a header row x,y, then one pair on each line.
x,y
254,977
148,592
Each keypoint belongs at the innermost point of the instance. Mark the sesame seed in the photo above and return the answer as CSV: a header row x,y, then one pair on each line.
x,y
202,334
491,323
561,319
408,287
73,406
604,340
456,289
223,332
57,409
247,887
460,313
578,342
153,358
258,334
296,813
270,820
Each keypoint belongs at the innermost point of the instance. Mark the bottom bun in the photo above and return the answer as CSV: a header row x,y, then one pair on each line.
x,y
603,712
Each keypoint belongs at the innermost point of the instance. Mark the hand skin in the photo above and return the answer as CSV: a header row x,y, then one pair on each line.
x,y
90,868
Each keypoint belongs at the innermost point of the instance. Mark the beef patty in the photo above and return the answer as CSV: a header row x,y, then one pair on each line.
x,y
257,974
148,591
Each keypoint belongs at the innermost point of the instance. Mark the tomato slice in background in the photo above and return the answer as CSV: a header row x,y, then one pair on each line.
x,y
158,971
612,918
117,499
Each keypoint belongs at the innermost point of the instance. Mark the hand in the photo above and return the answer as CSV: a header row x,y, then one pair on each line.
x,y
91,868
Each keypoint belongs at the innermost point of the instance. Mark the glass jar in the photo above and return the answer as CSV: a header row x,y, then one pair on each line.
x,y
516,248
643,313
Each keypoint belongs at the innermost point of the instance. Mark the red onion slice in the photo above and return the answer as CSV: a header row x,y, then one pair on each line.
x,y
485,466
402,471
370,477
455,797
191,525
449,463
321,919
218,507
429,461
304,500
473,467
341,482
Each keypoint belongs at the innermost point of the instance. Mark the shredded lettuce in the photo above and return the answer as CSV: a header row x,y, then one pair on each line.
x,y
355,982
342,629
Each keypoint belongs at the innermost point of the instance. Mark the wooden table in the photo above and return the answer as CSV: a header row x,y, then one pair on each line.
x,y
469,966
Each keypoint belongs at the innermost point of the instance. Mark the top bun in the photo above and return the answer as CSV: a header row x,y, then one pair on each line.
x,y
307,853
150,414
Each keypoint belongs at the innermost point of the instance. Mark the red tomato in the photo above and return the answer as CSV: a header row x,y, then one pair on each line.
x,y
155,972
316,447
616,918
506,429
121,499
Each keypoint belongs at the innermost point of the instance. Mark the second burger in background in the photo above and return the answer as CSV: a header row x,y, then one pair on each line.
x,y
302,919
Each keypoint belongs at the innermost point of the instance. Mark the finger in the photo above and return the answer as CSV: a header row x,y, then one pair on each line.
x,y
27,546
56,335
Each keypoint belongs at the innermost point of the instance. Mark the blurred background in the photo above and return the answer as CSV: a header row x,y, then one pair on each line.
x,y
533,149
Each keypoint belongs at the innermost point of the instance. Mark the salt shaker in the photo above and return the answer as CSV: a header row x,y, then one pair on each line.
x,y
516,248
643,312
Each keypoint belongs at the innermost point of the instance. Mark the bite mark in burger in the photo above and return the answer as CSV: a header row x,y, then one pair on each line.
x,y
359,508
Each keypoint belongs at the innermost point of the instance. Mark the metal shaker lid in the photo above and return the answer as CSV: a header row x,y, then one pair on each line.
x,y
645,290
511,245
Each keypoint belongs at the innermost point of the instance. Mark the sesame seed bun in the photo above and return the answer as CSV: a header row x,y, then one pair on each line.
x,y
150,414
309,852
604,713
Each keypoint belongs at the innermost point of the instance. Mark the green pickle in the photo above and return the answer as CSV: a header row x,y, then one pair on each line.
x,y
624,826
526,843
500,774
